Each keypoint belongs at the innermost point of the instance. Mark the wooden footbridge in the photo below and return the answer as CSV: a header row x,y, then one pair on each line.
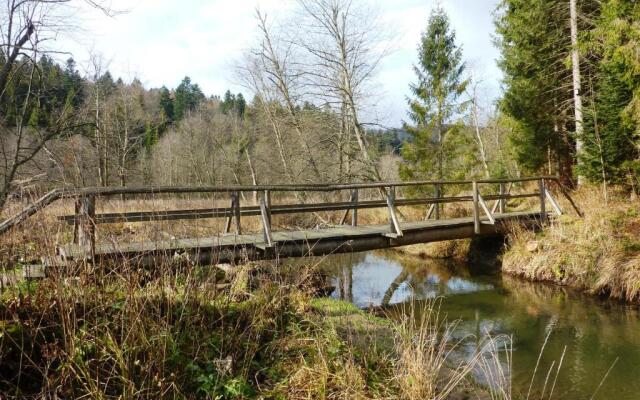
x,y
346,236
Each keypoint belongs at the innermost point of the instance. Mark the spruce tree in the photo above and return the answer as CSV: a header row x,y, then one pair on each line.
x,y
612,152
434,104
187,97
166,103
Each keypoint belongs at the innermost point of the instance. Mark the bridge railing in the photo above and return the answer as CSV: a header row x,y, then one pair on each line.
x,y
85,219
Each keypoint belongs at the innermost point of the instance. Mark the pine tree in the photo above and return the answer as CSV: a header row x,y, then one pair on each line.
x,y
241,104
233,103
73,83
187,97
166,103
434,105
228,102
612,152
534,37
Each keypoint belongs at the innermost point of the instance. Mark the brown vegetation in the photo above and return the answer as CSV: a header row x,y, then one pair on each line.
x,y
599,253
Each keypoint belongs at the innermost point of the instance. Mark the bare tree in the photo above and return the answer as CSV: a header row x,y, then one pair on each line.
x,y
253,76
342,44
127,120
279,71
474,114
24,26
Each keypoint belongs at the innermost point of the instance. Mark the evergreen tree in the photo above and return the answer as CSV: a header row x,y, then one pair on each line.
x,y
227,102
73,83
434,105
166,103
534,37
233,103
187,97
241,104
612,152
150,135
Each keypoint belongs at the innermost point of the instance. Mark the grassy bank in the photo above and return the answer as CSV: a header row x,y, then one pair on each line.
x,y
599,253
175,334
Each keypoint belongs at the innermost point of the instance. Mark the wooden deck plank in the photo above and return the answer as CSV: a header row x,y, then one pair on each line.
x,y
309,237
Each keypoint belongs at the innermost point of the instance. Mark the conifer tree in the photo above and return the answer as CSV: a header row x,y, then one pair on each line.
x,y
187,97
166,103
612,149
434,104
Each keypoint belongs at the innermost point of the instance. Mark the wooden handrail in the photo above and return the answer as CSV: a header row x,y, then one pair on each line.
x,y
248,211
79,193
320,187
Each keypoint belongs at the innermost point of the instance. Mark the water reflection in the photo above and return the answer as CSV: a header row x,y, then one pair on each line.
x,y
374,279
594,332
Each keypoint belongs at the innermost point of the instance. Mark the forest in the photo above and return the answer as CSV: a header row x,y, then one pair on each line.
x,y
569,107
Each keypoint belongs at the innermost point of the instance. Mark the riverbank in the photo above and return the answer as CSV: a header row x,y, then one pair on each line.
x,y
177,335
598,254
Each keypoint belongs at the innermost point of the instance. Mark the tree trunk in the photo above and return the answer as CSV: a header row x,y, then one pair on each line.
x,y
254,177
577,95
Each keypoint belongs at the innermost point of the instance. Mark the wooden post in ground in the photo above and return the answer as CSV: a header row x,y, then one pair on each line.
x,y
476,209
354,213
543,198
391,203
84,231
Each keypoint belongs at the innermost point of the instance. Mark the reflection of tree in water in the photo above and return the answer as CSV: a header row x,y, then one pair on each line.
x,y
429,278
337,266
342,265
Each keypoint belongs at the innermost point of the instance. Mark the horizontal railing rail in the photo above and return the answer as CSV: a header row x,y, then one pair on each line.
x,y
281,209
320,187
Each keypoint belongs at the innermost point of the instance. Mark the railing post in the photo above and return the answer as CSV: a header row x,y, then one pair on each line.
x,y
502,202
393,218
266,223
354,213
476,210
267,199
438,194
84,231
391,202
235,200
543,211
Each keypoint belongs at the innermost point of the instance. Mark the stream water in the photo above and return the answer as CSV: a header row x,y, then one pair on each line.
x,y
596,333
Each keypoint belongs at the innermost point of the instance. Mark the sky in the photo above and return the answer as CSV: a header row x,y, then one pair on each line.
x,y
161,41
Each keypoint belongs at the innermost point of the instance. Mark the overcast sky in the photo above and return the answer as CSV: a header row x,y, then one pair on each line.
x,y
161,41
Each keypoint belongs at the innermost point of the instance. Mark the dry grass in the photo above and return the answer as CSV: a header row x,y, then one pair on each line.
x,y
124,334
429,364
599,253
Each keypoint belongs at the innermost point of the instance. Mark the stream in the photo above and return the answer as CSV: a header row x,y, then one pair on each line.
x,y
596,333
